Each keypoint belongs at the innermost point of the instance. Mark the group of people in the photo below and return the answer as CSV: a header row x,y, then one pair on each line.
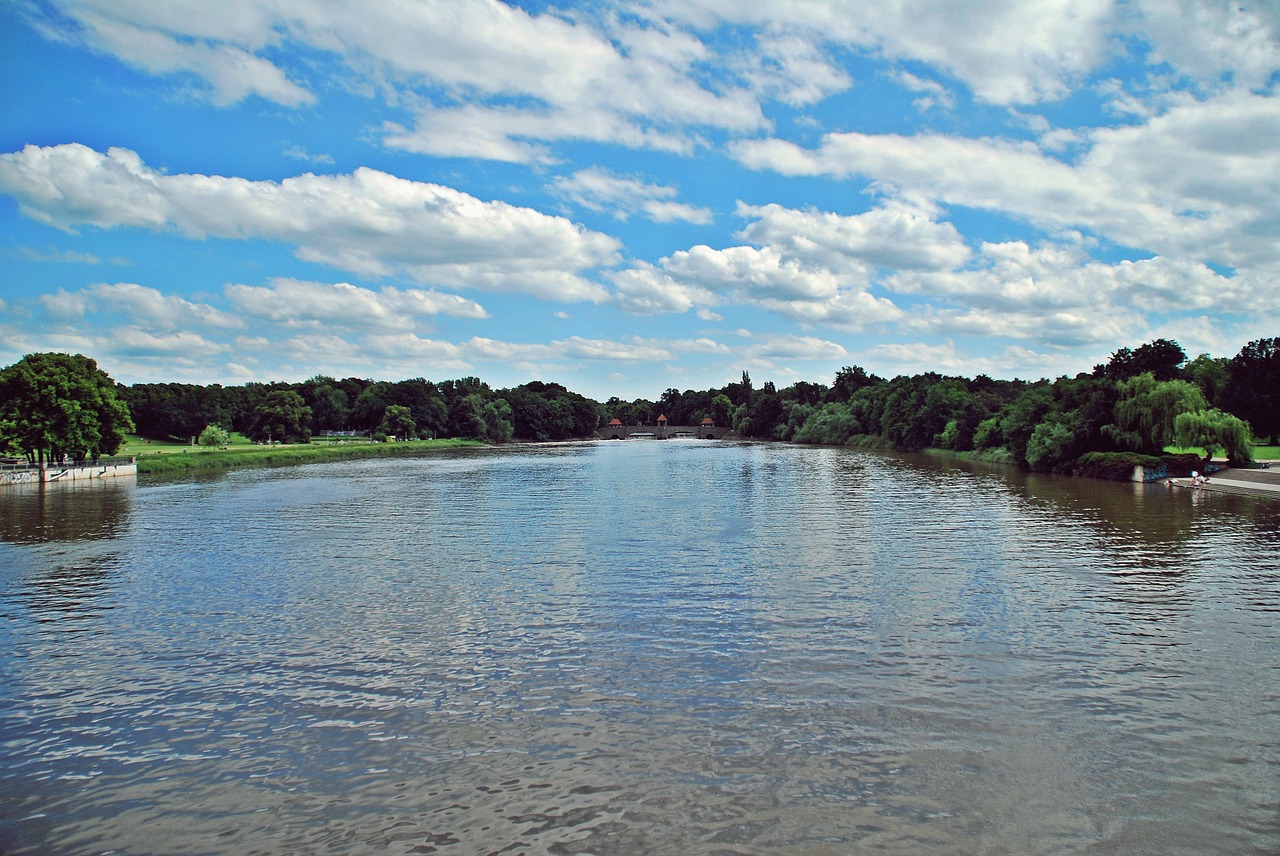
x,y
1197,479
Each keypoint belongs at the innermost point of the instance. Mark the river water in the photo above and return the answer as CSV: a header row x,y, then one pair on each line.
x,y
680,647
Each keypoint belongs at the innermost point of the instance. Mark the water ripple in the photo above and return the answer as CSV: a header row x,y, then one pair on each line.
x,y
643,648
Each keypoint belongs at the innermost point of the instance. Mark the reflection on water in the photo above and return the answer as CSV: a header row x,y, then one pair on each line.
x,y
678,647
65,511
66,580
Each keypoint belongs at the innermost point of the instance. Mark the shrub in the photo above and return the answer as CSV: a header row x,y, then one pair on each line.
x,y
1118,466
214,435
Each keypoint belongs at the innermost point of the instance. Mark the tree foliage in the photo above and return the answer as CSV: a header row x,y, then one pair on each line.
x,y
214,435
1161,358
1135,402
282,417
54,405
1253,387
1213,430
397,421
1146,409
547,411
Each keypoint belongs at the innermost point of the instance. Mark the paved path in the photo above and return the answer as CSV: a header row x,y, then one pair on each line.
x,y
1257,482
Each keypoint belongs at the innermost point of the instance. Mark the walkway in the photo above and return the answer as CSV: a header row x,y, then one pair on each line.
x,y
1256,482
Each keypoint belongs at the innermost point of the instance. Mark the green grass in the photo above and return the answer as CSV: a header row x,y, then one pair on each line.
x,y
1260,452
156,456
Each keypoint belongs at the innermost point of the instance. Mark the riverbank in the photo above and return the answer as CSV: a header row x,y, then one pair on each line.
x,y
1253,482
194,459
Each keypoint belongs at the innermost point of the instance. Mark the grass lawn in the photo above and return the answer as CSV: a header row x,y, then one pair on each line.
x,y
1260,452
162,456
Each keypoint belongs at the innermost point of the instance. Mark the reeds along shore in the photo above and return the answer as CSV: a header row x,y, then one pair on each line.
x,y
197,459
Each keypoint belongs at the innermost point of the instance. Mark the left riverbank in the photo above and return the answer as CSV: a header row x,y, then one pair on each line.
x,y
195,459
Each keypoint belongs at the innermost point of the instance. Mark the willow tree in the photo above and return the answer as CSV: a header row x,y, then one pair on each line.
x,y
1212,430
60,405
1146,409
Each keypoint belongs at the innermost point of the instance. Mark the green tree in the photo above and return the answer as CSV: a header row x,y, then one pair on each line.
x,y
1212,430
370,405
1210,374
397,421
1253,387
282,417
177,410
1146,409
477,417
833,425
53,405
1161,358
1018,421
848,381
721,409
426,404
330,406
1051,446
919,408
498,420
764,414
214,435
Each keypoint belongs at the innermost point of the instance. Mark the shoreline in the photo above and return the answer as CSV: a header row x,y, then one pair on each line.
x,y
1263,483
189,462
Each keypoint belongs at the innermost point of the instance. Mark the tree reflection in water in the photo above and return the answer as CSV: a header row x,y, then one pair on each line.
x,y
65,519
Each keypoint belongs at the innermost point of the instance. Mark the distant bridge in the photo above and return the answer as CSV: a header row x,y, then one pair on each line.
x,y
663,431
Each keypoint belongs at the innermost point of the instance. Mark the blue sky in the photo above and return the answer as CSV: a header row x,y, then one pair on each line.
x,y
625,197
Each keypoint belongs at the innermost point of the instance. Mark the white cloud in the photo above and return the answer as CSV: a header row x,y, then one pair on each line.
x,y
935,94
1210,167
1056,294
810,266
792,347
1194,183
599,190
895,235
184,345
944,357
1014,275
853,310
792,68
368,222
53,254
139,303
524,77
647,290
1007,51
158,41
749,272
295,303
1215,41
300,153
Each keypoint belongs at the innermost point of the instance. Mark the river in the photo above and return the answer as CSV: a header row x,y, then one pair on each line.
x,y
640,647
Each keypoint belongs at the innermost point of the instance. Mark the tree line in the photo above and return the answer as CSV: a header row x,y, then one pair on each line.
x,y
408,409
1137,403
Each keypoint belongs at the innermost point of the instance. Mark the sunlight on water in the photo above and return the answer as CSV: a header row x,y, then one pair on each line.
x,y
641,647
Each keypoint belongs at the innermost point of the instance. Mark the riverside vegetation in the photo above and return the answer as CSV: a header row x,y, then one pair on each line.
x,y
1148,406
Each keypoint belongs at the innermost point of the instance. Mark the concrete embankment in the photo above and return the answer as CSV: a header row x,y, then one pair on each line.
x,y
60,473
1258,482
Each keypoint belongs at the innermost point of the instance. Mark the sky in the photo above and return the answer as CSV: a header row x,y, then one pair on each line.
x,y
625,197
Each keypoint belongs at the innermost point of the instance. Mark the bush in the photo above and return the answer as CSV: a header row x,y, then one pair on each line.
x,y
1118,466
214,435
1051,447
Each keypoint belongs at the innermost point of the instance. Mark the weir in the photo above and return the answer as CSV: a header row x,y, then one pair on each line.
x,y
663,431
